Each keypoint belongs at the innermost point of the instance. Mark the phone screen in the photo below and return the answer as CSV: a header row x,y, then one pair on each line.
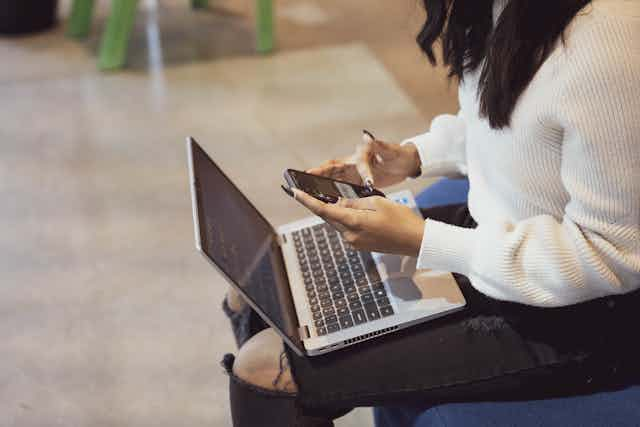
x,y
327,189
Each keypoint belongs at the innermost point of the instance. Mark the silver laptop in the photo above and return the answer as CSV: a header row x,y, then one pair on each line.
x,y
318,293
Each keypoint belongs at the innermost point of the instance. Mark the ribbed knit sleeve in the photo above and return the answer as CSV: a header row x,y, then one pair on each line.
x,y
593,250
442,149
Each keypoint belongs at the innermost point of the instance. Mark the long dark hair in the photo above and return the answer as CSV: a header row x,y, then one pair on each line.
x,y
510,54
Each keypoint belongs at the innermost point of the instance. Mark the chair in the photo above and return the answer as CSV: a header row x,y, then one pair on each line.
x,y
115,40
620,408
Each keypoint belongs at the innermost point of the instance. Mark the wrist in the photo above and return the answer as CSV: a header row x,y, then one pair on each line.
x,y
414,242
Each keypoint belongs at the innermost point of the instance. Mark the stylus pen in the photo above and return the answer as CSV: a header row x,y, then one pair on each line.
x,y
367,181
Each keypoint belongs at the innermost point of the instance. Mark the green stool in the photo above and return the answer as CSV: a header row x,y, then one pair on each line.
x,y
115,40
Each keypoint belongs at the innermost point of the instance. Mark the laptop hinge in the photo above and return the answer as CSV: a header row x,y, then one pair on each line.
x,y
282,239
304,332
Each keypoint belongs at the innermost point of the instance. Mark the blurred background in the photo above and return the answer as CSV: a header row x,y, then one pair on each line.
x,y
108,316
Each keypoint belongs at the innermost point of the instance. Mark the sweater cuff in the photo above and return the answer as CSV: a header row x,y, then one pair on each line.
x,y
431,166
446,247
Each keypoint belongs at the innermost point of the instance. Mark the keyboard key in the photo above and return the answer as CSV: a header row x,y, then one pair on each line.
x,y
366,297
348,286
363,287
331,319
353,297
334,327
319,323
326,303
322,331
323,295
335,288
342,311
340,303
337,295
359,317
355,305
383,301
386,311
317,315
313,300
346,322
334,281
321,288
372,311
377,285
379,293
329,311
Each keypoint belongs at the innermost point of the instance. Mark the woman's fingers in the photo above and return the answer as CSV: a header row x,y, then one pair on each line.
x,y
364,203
333,213
363,159
323,170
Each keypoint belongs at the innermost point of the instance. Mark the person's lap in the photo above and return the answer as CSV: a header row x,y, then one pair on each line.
x,y
490,350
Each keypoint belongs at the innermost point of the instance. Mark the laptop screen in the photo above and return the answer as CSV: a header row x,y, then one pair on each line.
x,y
240,241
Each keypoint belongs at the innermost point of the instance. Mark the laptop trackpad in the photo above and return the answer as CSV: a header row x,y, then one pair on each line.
x,y
417,289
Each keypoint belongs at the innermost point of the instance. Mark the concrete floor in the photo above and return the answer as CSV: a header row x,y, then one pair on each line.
x,y
108,317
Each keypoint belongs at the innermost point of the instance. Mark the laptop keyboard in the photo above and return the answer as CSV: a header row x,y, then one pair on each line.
x,y
343,285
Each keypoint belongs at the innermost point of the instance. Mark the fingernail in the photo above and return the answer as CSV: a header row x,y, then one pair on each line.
x,y
367,136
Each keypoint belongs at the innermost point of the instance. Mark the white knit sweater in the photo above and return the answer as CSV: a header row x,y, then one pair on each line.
x,y
557,194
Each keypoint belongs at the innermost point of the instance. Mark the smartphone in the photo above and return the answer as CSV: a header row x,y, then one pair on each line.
x,y
326,189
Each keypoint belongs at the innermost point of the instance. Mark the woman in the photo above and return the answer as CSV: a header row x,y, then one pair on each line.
x,y
548,134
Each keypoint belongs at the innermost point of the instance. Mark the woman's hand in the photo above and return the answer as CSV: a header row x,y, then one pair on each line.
x,y
381,163
371,223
